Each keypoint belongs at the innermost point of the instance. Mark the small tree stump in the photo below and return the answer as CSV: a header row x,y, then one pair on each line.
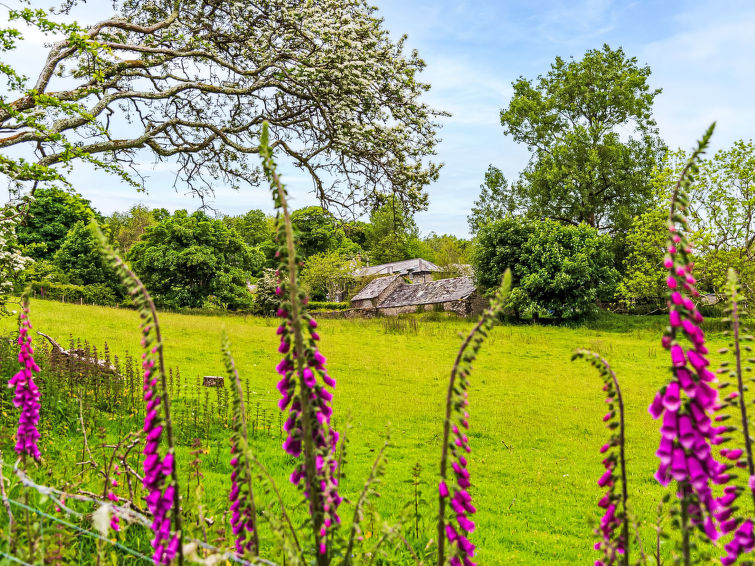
x,y
213,381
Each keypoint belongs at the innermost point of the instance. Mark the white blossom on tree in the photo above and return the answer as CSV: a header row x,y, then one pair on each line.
x,y
191,82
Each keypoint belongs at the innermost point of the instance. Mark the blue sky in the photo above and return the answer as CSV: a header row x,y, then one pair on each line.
x,y
702,54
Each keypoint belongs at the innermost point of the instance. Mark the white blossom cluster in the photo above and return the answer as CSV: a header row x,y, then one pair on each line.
x,y
12,262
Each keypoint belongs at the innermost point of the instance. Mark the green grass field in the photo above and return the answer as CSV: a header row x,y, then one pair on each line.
x,y
536,416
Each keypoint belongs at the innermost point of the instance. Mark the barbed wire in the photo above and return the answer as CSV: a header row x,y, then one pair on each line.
x,y
14,559
58,497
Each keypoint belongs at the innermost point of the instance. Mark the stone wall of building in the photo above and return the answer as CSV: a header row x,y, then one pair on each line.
x,y
393,311
462,308
424,277
363,304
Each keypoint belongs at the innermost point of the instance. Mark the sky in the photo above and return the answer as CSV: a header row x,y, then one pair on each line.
x,y
701,53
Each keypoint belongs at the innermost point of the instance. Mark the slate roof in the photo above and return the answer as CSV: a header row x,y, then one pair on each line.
x,y
374,288
439,291
414,265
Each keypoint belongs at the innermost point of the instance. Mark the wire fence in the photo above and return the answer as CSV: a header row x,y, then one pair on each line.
x,y
47,523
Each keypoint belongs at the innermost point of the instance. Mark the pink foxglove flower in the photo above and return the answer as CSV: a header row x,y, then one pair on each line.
x,y
455,531
305,384
613,531
687,402
26,395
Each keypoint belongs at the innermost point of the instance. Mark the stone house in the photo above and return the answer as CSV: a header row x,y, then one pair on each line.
x,y
418,270
392,296
376,291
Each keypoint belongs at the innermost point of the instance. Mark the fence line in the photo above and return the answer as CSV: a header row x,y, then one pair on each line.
x,y
14,559
124,512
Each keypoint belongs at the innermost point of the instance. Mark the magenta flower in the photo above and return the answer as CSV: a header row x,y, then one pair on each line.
x,y
157,471
242,522
304,379
309,378
687,402
456,447
613,530
115,520
26,395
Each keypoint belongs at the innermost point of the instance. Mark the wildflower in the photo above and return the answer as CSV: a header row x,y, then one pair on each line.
x,y
26,395
304,378
687,401
112,497
456,443
613,542
241,496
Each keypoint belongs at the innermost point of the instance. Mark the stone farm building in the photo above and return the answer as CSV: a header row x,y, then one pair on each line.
x,y
391,295
418,270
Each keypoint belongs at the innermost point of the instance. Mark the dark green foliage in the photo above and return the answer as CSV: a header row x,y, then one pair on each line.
x,y
51,214
319,232
559,271
498,246
79,257
185,259
266,302
357,232
254,227
393,235
581,168
495,200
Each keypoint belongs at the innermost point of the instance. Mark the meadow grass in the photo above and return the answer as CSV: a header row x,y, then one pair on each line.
x,y
536,424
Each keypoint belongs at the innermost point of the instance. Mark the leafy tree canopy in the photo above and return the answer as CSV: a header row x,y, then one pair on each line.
x,y
593,141
393,235
558,270
255,227
319,232
495,201
50,215
186,259
80,258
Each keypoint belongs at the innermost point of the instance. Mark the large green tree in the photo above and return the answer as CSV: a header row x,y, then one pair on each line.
x,y
593,141
81,259
495,201
190,260
393,234
319,232
48,219
255,227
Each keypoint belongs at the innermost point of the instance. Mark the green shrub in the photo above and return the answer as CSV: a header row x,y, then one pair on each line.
x,y
97,294
560,271
328,306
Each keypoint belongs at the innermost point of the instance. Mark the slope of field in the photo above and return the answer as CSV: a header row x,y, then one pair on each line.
x,y
536,416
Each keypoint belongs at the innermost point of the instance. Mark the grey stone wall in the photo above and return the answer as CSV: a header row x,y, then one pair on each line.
x,y
363,304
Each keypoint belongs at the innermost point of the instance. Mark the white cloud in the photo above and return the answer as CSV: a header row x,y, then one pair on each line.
x,y
707,73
